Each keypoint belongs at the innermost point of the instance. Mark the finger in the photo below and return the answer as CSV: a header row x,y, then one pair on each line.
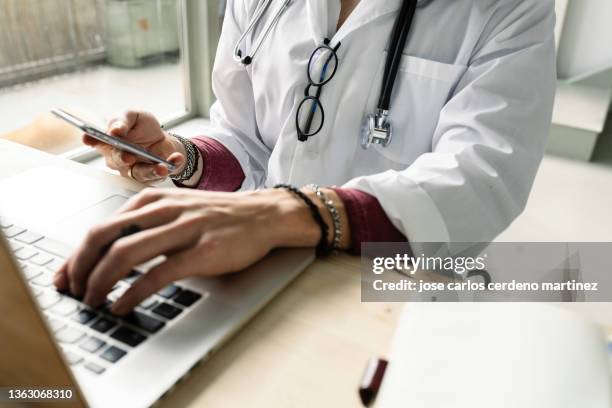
x,y
129,252
177,267
176,158
128,158
90,141
121,125
146,173
60,279
122,159
145,197
90,251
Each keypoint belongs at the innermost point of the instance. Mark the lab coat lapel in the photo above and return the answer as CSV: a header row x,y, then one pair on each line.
x,y
366,12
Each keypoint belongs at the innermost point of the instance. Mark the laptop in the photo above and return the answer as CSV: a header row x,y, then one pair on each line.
x,y
48,339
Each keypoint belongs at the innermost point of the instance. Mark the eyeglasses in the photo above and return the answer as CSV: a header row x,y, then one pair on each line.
x,y
322,67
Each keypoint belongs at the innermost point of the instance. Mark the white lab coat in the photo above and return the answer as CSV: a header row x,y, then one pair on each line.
x,y
471,108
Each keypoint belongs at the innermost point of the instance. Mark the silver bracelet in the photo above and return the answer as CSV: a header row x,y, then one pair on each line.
x,y
333,211
191,161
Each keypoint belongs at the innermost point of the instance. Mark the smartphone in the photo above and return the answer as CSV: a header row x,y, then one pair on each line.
x,y
116,142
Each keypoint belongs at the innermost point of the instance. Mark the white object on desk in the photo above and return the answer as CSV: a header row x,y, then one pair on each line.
x,y
495,355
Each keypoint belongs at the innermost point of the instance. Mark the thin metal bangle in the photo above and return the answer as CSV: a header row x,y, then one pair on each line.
x,y
333,212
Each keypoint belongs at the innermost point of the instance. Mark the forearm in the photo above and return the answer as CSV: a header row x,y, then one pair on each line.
x,y
362,217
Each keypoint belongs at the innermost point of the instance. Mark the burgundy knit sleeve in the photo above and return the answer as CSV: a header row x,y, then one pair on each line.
x,y
222,171
367,219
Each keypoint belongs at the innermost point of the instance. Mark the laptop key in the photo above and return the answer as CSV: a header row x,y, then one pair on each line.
x,y
53,247
13,231
72,358
45,279
54,265
132,277
92,344
56,325
15,246
187,297
31,272
144,322
48,299
117,292
103,325
95,368
128,336
148,303
84,316
25,253
166,310
41,259
28,237
113,354
4,223
169,291
69,335
65,307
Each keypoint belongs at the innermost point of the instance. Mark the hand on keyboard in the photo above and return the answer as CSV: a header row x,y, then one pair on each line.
x,y
92,338
199,232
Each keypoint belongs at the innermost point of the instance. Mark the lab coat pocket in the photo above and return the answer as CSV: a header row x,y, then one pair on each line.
x,y
421,90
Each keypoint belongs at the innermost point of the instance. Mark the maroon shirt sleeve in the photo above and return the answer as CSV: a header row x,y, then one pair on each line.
x,y
222,171
367,220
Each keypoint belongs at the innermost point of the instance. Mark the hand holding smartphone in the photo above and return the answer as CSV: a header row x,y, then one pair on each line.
x,y
116,142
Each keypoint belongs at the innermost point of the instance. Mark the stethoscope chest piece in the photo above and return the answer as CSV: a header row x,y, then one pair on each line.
x,y
376,130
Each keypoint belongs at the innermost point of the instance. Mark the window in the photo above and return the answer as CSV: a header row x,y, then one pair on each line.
x,y
93,57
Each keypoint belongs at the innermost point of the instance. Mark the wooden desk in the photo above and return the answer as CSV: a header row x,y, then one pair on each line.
x,y
308,348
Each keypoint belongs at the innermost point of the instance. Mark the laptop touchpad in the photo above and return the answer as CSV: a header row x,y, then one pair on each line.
x,y
73,229
58,202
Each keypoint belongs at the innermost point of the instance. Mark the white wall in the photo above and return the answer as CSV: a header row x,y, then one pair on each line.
x,y
560,9
586,41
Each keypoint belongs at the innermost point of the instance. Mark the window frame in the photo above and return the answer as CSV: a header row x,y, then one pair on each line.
x,y
198,44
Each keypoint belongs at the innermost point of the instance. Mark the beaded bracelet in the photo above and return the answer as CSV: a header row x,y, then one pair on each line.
x,y
323,248
192,160
333,212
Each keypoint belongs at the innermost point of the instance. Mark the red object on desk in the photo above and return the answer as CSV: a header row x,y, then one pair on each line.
x,y
372,380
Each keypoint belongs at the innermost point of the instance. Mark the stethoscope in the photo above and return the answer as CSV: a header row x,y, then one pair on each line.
x,y
377,127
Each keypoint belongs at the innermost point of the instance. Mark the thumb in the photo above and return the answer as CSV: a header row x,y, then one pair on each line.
x,y
178,159
118,129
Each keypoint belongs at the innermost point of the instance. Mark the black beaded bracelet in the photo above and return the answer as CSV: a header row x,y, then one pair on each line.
x,y
191,161
323,248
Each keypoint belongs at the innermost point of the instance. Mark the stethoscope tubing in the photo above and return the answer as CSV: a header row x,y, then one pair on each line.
x,y
251,27
399,37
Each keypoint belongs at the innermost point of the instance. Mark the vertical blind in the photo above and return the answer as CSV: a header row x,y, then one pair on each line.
x,y
41,36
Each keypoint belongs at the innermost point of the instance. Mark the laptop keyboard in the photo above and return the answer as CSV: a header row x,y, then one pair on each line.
x,y
93,338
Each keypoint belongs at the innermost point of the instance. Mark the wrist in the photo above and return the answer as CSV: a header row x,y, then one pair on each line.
x,y
345,240
291,223
289,220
